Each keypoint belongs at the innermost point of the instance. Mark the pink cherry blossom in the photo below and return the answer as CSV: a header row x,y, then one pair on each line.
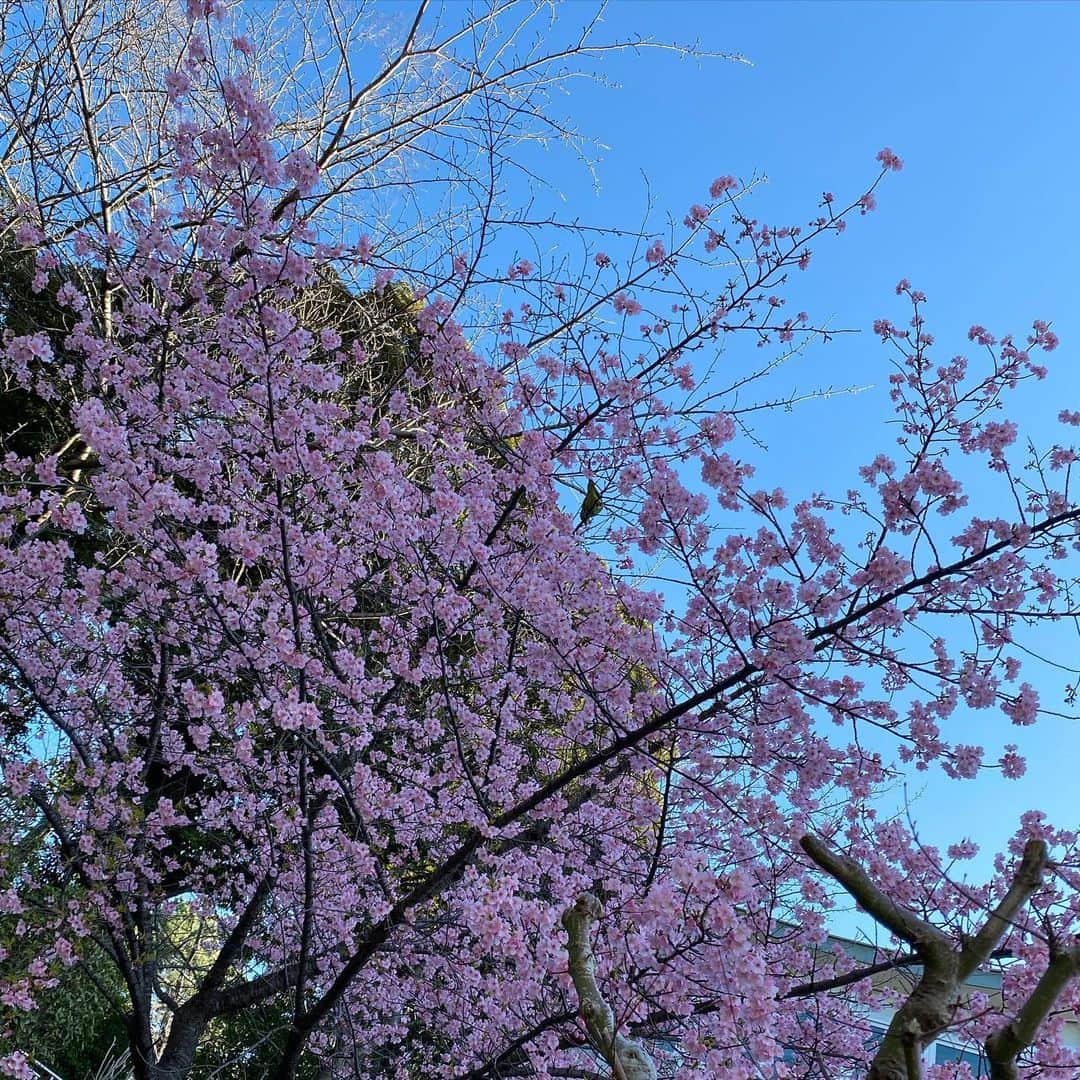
x,y
722,185
372,616
889,160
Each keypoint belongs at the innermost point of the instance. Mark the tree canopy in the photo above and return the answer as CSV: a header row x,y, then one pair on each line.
x,y
353,723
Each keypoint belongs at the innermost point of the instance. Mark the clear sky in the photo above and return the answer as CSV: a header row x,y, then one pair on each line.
x,y
981,101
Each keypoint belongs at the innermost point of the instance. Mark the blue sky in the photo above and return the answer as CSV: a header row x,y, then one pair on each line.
x,y
980,100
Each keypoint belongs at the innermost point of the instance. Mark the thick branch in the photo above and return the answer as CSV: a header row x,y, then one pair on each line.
x,y
1009,1042
1028,877
822,986
628,1059
712,696
846,872
929,1007
190,1020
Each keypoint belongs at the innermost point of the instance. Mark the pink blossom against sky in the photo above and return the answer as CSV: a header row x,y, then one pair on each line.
x,y
979,101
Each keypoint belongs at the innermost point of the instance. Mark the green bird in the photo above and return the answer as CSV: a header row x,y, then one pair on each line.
x,y
592,505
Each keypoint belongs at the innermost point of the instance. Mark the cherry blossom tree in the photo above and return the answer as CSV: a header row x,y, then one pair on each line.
x,y
424,682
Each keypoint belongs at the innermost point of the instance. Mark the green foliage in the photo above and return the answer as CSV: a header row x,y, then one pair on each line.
x,y
29,424
73,1029
247,1044
74,1024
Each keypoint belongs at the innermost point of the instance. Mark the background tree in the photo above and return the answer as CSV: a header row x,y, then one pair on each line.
x,y
357,697
77,1022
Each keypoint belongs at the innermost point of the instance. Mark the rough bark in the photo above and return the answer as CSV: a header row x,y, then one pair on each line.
x,y
1005,1046
628,1059
931,1005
